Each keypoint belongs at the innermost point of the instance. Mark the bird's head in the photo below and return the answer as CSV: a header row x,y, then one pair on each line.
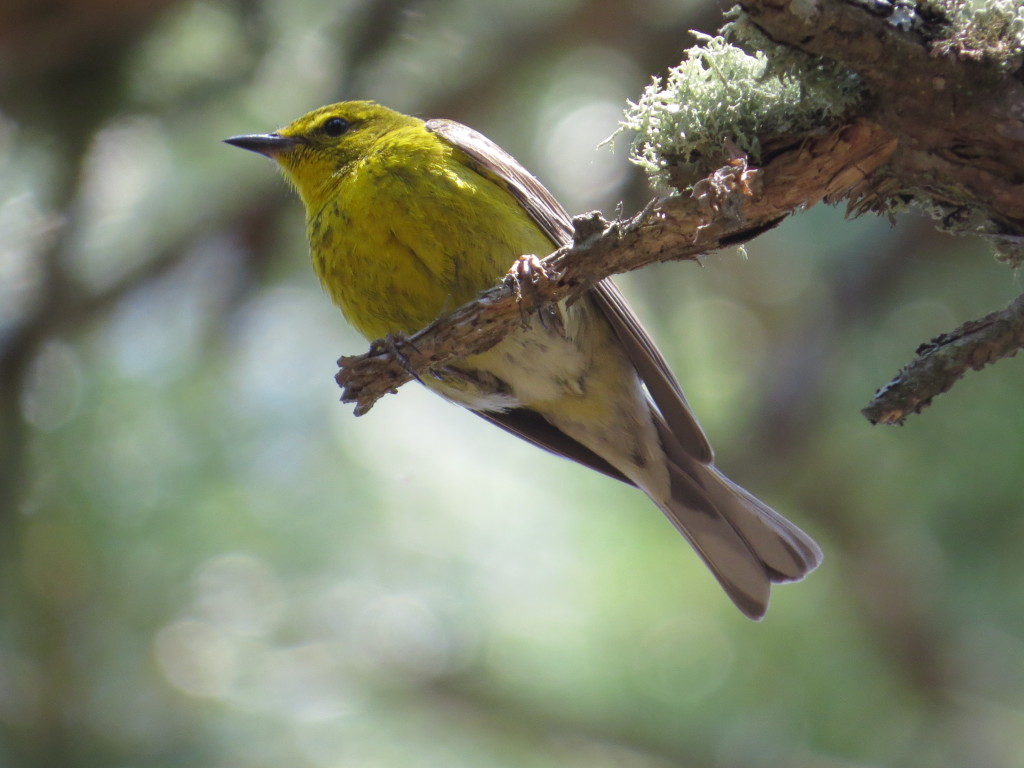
x,y
318,148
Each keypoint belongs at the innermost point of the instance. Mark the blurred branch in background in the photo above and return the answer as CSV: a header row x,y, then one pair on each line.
x,y
60,74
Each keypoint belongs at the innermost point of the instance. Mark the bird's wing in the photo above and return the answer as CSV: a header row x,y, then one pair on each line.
x,y
534,428
491,161
494,163
654,371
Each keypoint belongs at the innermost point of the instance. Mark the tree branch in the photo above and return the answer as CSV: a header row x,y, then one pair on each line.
x,y
947,87
958,112
731,206
945,359
940,108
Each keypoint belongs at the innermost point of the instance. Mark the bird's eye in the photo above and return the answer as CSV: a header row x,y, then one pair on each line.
x,y
335,126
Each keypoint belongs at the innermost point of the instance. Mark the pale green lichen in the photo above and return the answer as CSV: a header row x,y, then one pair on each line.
x,y
992,30
719,93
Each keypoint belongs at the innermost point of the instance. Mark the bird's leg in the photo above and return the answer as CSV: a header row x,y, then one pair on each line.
x,y
523,278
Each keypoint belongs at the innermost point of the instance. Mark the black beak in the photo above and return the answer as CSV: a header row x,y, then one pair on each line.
x,y
269,144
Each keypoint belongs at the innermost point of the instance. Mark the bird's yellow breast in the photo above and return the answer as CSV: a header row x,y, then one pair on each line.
x,y
408,233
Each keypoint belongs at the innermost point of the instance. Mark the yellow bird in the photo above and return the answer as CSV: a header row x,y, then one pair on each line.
x,y
408,219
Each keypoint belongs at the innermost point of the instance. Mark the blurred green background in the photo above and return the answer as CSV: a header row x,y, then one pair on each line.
x,y
206,560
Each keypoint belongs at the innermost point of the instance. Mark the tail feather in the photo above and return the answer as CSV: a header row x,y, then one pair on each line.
x,y
720,545
746,544
787,552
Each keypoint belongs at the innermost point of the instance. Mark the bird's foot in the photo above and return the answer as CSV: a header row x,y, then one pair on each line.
x,y
524,278
393,343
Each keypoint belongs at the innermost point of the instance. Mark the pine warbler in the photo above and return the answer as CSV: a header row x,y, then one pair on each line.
x,y
407,220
